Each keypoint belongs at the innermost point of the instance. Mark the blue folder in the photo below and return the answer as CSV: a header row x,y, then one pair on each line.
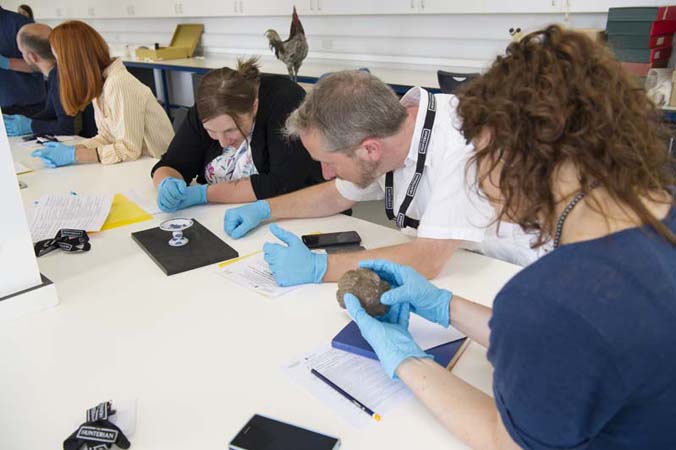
x,y
350,340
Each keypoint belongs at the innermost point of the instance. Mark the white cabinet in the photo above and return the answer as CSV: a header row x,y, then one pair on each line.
x,y
63,9
43,9
450,6
359,7
149,8
574,6
269,8
523,6
12,5
225,8
104,9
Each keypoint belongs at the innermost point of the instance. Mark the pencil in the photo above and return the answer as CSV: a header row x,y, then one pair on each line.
x,y
353,400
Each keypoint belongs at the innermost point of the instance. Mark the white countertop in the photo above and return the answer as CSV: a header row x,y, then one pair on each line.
x,y
201,355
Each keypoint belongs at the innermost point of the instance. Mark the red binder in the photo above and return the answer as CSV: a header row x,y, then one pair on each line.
x,y
666,13
663,27
660,41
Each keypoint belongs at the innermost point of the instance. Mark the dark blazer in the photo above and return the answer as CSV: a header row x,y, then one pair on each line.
x,y
283,165
53,119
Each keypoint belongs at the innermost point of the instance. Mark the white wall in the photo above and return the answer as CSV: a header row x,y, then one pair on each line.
x,y
462,42
458,42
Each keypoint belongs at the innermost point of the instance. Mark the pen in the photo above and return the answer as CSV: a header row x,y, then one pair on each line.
x,y
353,400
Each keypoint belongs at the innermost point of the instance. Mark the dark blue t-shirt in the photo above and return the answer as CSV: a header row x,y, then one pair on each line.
x,y
16,88
583,343
53,119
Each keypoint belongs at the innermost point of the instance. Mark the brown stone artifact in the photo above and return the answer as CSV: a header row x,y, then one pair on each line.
x,y
367,286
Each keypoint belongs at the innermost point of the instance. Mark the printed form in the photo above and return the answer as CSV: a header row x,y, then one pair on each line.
x,y
252,272
53,212
363,378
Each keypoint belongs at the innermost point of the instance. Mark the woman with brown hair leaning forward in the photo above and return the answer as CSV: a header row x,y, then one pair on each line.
x,y
582,340
130,121
232,141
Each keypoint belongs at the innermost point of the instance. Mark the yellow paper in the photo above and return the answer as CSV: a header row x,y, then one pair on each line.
x,y
124,212
239,258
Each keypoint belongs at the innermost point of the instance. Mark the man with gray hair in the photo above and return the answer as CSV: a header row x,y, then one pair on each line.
x,y
33,43
373,146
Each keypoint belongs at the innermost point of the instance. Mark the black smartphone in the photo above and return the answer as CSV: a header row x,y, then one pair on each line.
x,y
263,433
329,239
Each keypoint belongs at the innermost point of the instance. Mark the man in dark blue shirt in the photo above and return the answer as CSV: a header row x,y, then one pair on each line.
x,y
21,91
33,42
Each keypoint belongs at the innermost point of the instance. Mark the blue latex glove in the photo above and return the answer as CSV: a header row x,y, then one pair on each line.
x,y
4,62
17,125
295,263
194,195
173,194
239,221
426,299
170,193
56,154
388,335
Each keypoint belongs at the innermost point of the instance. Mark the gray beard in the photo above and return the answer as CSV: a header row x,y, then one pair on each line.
x,y
368,173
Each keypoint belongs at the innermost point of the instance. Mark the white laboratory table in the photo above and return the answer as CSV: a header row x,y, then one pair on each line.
x,y
399,79
309,72
199,354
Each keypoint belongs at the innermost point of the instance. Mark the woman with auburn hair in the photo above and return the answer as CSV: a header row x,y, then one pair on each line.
x,y
130,121
582,341
232,142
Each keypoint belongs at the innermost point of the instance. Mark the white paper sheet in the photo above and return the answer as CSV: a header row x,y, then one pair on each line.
x,y
363,378
55,211
252,272
145,198
429,335
20,168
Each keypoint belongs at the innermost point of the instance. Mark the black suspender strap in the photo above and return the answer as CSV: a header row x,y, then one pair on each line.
x,y
402,219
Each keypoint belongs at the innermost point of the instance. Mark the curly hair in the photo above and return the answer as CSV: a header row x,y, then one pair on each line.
x,y
558,97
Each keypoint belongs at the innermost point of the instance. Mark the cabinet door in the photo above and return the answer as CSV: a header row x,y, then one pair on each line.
x,y
523,6
603,5
208,8
150,8
42,9
451,6
359,7
268,8
12,5
84,9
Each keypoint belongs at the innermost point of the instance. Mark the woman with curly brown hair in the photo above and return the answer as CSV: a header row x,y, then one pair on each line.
x,y
583,340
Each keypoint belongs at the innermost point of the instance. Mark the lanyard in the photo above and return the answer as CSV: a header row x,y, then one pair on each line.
x,y
67,240
402,219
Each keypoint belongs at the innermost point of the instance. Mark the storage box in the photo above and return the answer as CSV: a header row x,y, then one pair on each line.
x,y
183,44
595,34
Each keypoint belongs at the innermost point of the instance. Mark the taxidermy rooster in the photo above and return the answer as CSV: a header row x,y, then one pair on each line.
x,y
293,51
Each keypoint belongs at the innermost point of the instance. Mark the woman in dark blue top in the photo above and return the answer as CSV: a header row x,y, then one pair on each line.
x,y
583,341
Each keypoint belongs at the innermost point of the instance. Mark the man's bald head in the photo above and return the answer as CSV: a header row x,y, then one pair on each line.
x,y
34,38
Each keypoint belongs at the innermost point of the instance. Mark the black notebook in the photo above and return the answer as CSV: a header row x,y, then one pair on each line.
x,y
204,248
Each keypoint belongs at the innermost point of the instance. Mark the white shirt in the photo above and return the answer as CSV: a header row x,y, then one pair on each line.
x,y
445,204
